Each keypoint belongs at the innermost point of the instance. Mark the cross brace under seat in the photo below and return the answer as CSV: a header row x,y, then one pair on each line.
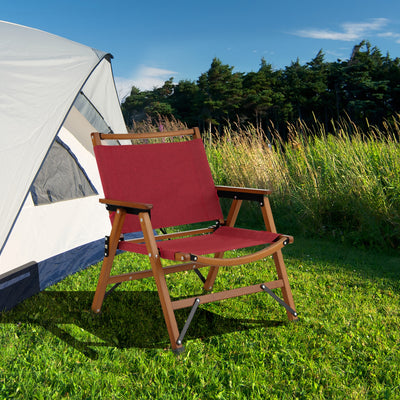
x,y
197,303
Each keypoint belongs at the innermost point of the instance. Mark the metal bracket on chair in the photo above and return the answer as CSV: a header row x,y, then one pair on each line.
x,y
217,225
129,210
193,257
111,290
239,195
279,300
200,275
285,243
106,246
188,321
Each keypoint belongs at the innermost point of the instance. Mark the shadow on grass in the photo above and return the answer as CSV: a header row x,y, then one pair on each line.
x,y
128,319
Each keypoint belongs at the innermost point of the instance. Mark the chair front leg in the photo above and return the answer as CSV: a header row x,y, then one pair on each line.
x,y
159,276
108,260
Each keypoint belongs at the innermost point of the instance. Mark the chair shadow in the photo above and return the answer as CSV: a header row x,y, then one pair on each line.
x,y
128,319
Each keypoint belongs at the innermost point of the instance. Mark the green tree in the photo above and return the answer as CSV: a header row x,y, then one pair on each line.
x,y
159,103
153,103
220,93
306,89
258,95
366,89
294,84
367,86
319,102
134,105
391,71
185,101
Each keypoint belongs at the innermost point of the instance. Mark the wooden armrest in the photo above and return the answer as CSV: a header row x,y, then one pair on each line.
x,y
240,193
130,207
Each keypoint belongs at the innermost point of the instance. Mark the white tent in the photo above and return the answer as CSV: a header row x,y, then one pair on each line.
x,y
53,94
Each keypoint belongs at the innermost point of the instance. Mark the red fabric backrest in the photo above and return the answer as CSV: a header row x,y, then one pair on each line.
x,y
174,177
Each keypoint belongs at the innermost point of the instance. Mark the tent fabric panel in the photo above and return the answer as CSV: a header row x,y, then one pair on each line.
x,y
100,90
81,129
28,280
41,76
87,109
41,232
56,268
85,156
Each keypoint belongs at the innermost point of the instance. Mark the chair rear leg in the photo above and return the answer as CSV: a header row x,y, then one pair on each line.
x,y
230,221
212,274
278,258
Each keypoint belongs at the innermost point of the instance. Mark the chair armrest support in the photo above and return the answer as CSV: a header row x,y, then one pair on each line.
x,y
129,207
282,241
240,193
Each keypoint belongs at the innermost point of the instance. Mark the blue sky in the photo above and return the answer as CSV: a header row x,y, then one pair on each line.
x,y
153,40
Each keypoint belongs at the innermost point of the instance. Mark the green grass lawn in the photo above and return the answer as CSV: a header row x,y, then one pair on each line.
x,y
346,344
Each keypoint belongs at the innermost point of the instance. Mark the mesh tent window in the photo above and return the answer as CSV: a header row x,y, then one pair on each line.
x,y
61,177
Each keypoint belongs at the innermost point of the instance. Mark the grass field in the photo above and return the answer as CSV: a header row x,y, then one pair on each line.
x,y
346,344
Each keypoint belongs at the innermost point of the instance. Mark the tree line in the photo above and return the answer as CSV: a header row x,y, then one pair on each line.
x,y
364,88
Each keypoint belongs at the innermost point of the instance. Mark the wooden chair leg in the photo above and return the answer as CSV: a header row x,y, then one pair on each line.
x,y
102,284
159,276
212,274
230,221
286,291
278,258
166,304
108,260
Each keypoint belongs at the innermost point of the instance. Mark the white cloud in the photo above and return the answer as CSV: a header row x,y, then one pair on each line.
x,y
144,78
350,30
390,35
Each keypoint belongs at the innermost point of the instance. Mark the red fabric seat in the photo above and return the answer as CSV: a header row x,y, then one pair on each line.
x,y
223,239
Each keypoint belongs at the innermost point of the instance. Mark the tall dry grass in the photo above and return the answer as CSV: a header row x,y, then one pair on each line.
x,y
161,124
344,184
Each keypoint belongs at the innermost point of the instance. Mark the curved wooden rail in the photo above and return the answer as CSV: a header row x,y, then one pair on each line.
x,y
229,262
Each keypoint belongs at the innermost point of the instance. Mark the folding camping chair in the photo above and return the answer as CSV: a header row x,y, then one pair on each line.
x,y
154,185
